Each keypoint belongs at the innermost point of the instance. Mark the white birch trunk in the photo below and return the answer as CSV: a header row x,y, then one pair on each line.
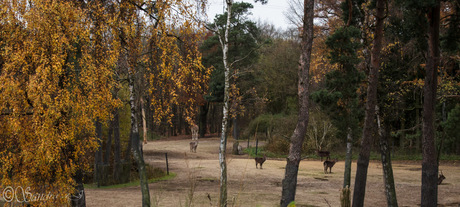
x,y
136,148
223,139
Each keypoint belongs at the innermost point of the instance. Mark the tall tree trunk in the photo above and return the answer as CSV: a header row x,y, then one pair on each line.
x,y
402,135
417,121
388,177
203,119
116,146
429,163
295,150
223,137
144,121
98,156
108,145
369,120
345,197
348,159
236,130
136,146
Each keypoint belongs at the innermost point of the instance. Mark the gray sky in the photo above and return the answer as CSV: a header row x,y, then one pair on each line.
x,y
272,12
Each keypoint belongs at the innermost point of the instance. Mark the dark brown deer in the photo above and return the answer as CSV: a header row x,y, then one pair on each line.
x,y
329,164
323,154
260,161
441,178
193,146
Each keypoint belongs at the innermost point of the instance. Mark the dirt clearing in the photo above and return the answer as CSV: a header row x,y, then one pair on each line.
x,y
249,186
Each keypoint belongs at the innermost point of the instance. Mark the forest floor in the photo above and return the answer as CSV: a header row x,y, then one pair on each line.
x,y
198,176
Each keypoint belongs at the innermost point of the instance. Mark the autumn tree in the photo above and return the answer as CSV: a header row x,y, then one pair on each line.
x,y
53,89
165,44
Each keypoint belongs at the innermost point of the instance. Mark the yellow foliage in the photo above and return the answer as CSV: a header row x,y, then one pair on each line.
x,y
56,77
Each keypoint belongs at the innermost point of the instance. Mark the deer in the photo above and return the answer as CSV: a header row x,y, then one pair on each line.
x,y
441,178
329,164
323,154
194,128
260,161
240,150
193,146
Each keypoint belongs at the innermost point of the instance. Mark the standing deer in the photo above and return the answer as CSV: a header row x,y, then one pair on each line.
x,y
323,154
329,164
260,161
193,145
194,129
441,178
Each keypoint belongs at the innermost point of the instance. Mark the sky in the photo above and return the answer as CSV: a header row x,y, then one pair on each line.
x,y
272,12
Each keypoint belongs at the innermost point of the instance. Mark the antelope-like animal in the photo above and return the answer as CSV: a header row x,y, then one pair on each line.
x,y
193,145
194,130
323,154
441,178
329,164
260,160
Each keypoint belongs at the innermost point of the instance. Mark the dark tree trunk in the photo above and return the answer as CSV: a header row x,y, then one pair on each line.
x,y
203,119
388,177
430,163
108,145
289,183
369,120
236,130
417,121
116,147
348,159
78,199
98,156
345,197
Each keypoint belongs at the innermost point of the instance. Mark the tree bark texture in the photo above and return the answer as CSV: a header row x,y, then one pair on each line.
x,y
429,162
236,130
203,119
136,147
116,146
223,138
348,157
289,183
387,168
369,120
98,156
108,145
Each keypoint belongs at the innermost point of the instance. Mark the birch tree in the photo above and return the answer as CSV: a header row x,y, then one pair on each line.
x,y
52,90
223,139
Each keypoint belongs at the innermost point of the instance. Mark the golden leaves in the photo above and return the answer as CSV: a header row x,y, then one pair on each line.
x,y
55,82
176,75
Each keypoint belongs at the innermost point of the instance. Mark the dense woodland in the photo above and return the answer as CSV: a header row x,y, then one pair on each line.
x,y
84,84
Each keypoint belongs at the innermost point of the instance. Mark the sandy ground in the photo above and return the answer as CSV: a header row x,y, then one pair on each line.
x,y
248,186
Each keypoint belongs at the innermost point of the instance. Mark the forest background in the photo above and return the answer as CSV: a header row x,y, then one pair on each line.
x,y
80,78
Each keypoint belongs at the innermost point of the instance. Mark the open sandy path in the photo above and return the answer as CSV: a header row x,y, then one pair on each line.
x,y
249,186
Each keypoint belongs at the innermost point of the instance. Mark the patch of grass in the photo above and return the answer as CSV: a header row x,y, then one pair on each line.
x,y
374,155
251,151
131,184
